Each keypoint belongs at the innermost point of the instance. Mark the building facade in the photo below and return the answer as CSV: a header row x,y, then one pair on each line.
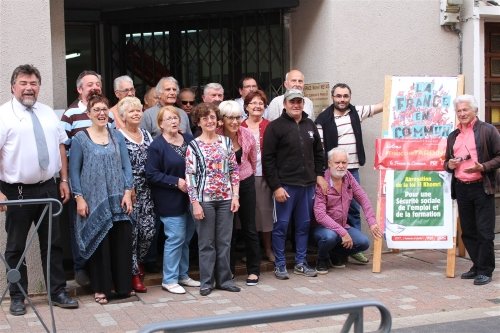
x,y
201,41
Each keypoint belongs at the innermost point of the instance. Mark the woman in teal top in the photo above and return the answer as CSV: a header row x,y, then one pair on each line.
x,y
101,181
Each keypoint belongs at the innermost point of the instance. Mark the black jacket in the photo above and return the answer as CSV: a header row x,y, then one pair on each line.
x,y
331,135
293,154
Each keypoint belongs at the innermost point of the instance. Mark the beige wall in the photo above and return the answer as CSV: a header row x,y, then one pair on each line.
x,y
359,42
32,32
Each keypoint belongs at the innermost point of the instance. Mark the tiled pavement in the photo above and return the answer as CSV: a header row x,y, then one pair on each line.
x,y
412,285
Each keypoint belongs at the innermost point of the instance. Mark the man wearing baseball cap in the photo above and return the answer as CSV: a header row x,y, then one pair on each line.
x,y
292,164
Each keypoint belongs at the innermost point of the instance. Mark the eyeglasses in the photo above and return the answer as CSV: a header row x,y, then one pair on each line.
x,y
169,119
256,103
208,118
342,96
187,102
101,110
126,91
233,118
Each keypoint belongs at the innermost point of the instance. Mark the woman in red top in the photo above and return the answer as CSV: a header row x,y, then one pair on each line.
x,y
255,103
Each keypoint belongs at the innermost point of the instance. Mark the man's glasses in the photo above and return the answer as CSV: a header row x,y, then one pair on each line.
x,y
187,102
126,91
233,118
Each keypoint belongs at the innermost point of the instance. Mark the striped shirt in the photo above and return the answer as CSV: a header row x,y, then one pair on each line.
x,y
347,140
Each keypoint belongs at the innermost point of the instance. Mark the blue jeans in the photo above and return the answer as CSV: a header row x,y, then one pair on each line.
x,y
299,205
354,217
178,230
329,241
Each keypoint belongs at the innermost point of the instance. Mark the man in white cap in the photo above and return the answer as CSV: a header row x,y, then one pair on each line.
x,y
292,163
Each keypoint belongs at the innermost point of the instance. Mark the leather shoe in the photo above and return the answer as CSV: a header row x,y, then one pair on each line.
x,y
62,300
137,284
482,279
17,307
205,291
82,278
233,289
468,275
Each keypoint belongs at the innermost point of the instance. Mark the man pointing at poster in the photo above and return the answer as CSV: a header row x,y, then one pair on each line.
x,y
473,156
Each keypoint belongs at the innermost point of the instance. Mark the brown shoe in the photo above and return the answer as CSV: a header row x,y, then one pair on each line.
x,y
137,284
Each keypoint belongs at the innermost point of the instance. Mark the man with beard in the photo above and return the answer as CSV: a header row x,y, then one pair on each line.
x,y
31,154
333,234
340,125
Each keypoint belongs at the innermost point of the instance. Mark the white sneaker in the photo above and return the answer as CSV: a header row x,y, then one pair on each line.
x,y
174,288
189,282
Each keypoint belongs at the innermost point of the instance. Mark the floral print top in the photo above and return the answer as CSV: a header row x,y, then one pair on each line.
x,y
211,170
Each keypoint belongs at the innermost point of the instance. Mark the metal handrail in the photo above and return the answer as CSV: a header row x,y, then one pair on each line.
x,y
353,308
13,274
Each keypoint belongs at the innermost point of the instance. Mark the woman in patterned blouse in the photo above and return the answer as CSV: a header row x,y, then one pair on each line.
x,y
143,216
213,187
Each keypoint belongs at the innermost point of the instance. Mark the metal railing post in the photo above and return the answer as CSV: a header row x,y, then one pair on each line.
x,y
13,274
353,308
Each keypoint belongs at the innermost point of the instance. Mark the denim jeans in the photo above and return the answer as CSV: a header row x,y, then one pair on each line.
x,y
354,217
329,241
178,230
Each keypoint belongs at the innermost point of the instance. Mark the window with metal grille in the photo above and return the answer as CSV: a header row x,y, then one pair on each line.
x,y
196,51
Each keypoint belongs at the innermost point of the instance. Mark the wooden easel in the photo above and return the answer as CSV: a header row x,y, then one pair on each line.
x,y
378,243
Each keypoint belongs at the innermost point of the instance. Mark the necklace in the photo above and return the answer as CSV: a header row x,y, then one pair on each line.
x,y
101,138
175,140
136,136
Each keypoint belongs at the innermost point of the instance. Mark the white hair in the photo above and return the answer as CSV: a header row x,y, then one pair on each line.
x,y
120,79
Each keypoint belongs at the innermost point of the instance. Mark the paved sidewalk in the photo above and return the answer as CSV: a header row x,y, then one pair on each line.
x,y
412,285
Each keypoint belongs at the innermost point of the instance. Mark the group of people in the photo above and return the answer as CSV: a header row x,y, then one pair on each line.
x,y
207,168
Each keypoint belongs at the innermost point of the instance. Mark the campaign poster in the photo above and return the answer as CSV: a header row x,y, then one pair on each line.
x,y
414,188
418,210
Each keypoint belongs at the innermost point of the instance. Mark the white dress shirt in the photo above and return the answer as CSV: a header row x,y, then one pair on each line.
x,y
18,152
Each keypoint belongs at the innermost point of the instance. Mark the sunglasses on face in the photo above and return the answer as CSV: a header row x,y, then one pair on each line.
x,y
187,102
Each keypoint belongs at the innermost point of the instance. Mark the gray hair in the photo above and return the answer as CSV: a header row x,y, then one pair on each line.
x,y
120,79
335,151
230,109
127,103
83,74
214,86
159,85
469,99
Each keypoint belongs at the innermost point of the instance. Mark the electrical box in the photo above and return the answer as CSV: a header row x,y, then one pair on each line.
x,y
449,11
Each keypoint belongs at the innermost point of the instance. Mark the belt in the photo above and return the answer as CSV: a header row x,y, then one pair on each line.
x,y
42,183
469,182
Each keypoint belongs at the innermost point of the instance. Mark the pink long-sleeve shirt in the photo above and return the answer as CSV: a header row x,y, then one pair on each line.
x,y
331,210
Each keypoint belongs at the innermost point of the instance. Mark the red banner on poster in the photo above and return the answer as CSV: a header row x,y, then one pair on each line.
x,y
410,154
